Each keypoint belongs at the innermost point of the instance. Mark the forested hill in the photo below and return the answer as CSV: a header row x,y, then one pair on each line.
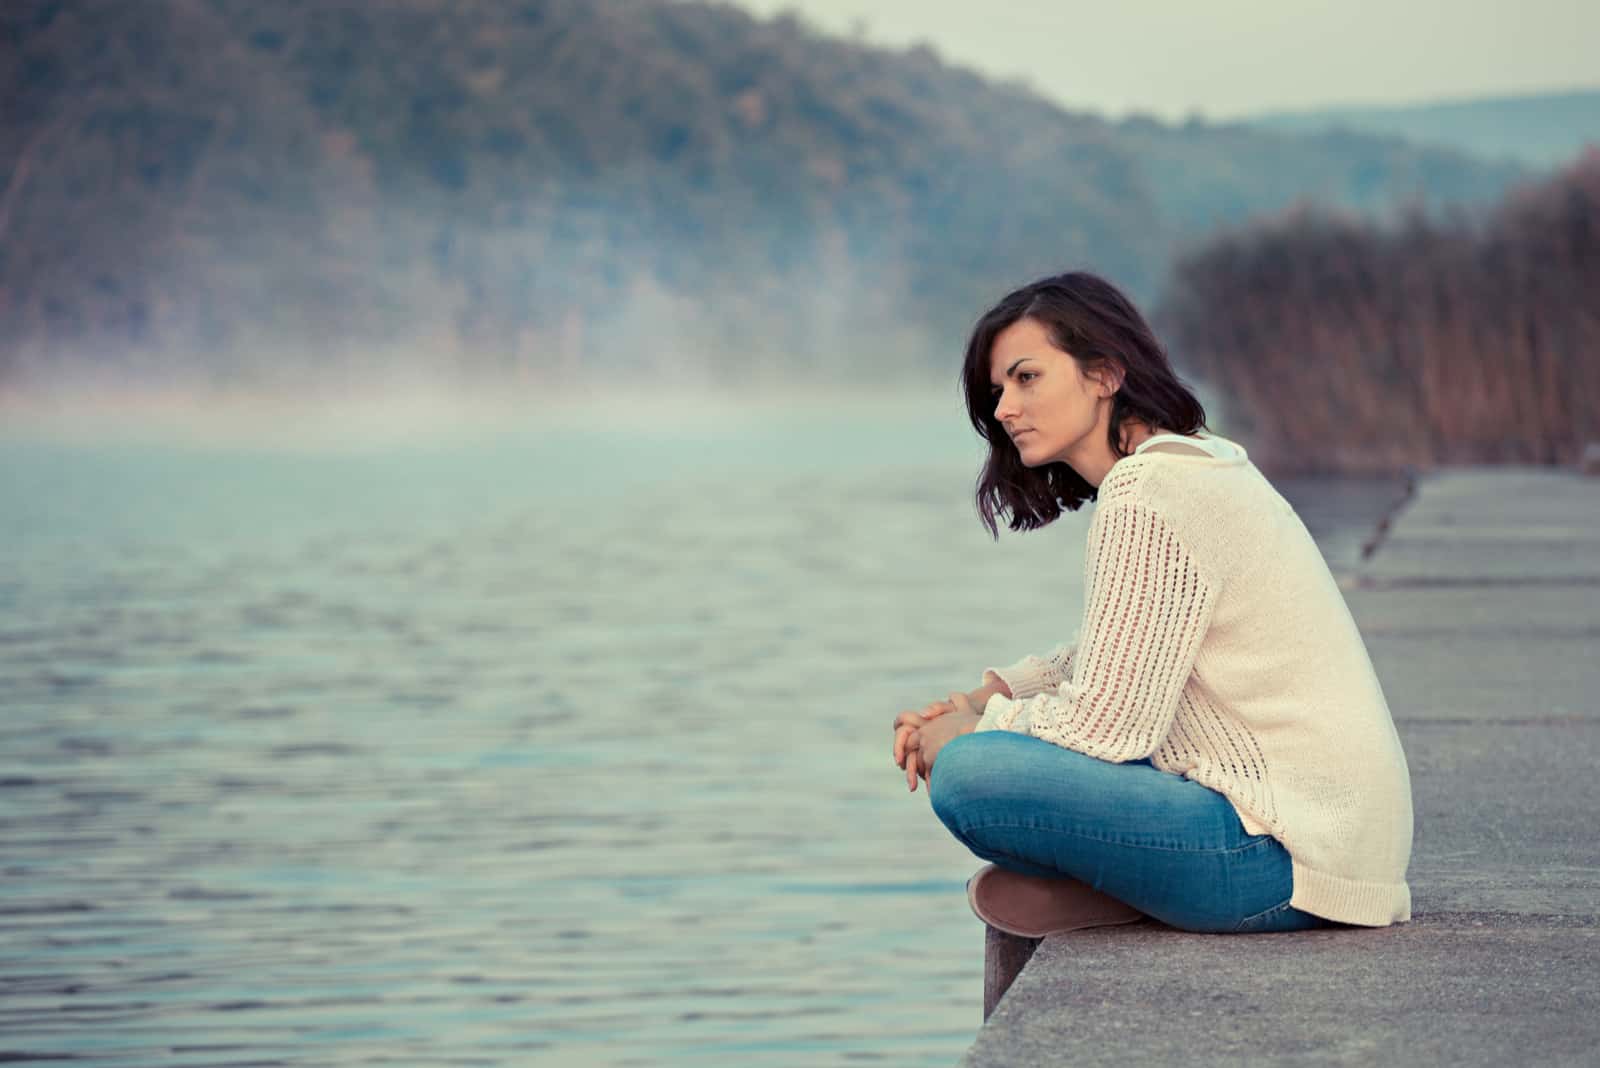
x,y
240,190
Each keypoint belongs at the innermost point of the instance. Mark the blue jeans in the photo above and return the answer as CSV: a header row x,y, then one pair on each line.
x,y
1170,847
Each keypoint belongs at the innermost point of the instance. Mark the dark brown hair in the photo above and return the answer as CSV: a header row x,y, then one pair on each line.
x,y
1093,322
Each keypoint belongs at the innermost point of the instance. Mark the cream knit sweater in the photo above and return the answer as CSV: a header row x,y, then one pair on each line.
x,y
1215,641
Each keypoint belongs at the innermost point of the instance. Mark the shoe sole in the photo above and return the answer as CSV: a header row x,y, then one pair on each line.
x,y
1030,906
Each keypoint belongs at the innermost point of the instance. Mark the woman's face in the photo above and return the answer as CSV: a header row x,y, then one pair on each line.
x,y
1051,410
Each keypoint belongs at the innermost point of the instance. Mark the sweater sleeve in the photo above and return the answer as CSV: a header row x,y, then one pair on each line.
x,y
1146,612
1036,674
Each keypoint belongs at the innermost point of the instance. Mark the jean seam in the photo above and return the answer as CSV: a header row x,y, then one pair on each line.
x,y
1266,912
1262,839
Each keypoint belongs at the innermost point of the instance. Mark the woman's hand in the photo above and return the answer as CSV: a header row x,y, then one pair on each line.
x,y
937,733
919,738
908,722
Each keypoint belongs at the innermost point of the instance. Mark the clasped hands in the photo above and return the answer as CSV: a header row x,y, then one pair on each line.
x,y
918,736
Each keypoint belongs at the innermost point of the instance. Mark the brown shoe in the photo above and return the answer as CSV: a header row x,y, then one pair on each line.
x,y
1031,906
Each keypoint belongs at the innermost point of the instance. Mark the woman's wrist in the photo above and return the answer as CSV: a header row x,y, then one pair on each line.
x,y
980,696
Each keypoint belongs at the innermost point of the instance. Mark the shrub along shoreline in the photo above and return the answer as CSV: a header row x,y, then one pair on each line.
x,y
1347,346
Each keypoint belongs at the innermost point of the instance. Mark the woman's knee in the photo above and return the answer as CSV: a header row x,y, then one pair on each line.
x,y
958,776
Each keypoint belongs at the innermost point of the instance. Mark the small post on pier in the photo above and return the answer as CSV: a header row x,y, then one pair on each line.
x,y
1004,956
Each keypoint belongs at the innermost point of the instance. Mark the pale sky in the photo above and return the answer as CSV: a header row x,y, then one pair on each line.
x,y
1228,58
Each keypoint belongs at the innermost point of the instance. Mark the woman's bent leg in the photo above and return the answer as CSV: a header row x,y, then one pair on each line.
x,y
1170,847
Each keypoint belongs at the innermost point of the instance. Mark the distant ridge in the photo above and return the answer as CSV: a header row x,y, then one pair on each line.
x,y
1543,129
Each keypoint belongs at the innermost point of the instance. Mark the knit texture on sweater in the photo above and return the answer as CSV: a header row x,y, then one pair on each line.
x,y
1216,642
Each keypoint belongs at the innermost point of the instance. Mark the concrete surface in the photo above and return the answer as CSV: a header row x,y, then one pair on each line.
x,y
1481,608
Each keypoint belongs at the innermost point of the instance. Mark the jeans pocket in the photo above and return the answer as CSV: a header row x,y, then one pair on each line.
x,y
1278,918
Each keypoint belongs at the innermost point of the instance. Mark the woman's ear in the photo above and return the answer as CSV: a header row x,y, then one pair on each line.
x,y
1107,379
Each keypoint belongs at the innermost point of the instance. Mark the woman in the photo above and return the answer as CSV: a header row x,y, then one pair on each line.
x,y
1213,748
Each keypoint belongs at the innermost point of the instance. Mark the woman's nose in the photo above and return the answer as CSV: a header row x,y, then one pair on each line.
x,y
1005,407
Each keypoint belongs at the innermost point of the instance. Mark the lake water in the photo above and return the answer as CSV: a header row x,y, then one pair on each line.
x,y
540,740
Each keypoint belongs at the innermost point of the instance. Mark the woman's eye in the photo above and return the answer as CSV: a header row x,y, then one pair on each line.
x,y
1022,376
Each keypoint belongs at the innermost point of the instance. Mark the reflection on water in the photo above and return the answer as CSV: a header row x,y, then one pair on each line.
x,y
565,748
